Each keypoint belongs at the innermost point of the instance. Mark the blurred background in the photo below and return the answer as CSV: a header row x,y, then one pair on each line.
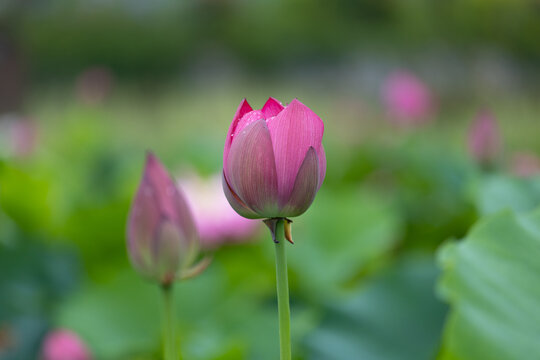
x,y
431,112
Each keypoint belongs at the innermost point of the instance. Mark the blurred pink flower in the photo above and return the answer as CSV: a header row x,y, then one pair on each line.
x,y
94,84
216,221
19,134
525,164
408,100
484,140
24,134
64,345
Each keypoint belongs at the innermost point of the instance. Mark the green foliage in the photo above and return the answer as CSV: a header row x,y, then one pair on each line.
x,y
171,33
490,279
497,192
24,196
362,273
333,248
34,279
385,318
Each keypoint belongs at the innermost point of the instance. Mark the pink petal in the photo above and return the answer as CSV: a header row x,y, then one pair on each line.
x,y
158,181
247,119
271,108
305,187
144,218
237,204
250,169
243,109
172,203
293,132
169,251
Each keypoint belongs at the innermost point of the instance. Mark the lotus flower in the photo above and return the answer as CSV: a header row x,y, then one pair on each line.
x,y
161,234
274,162
407,99
484,138
64,345
217,223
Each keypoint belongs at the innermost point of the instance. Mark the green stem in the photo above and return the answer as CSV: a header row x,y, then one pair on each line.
x,y
282,294
169,340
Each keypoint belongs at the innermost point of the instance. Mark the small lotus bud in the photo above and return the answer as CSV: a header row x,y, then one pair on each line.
x,y
484,139
161,234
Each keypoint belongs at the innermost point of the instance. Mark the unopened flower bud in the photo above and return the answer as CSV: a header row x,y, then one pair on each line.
x,y
274,161
161,234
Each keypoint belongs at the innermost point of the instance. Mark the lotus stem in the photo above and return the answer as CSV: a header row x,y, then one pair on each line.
x,y
169,339
282,293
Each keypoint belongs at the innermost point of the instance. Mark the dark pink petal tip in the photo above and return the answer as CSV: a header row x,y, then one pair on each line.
x,y
272,107
242,110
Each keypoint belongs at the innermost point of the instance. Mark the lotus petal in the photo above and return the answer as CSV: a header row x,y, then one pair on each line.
x,y
243,109
237,204
305,187
250,169
293,131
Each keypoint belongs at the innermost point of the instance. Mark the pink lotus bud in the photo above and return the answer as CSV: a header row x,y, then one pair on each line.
x,y
274,162
161,234
64,345
407,99
484,138
217,223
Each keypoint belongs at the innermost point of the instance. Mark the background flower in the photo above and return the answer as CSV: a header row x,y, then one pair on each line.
x,y
407,99
484,139
161,233
216,221
64,344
